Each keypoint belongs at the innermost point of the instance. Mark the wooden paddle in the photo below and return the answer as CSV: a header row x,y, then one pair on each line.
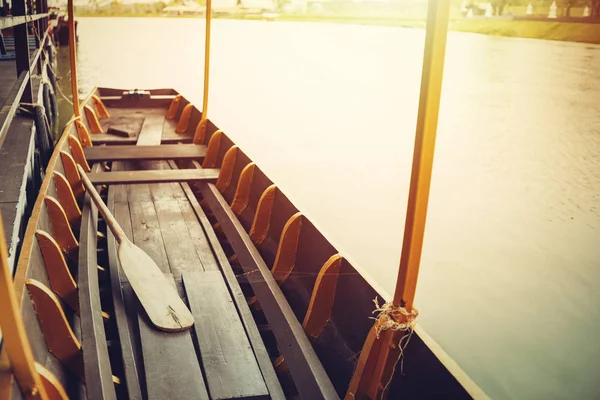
x,y
157,295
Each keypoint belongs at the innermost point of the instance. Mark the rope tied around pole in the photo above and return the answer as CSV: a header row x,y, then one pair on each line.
x,y
395,318
390,315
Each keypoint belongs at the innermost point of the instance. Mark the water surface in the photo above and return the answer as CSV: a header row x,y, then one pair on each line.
x,y
510,274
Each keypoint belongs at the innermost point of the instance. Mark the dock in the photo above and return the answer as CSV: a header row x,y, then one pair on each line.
x,y
26,83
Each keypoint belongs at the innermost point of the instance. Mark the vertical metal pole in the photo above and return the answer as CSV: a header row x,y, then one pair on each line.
x,y
73,58
420,181
200,133
375,366
206,60
39,35
22,48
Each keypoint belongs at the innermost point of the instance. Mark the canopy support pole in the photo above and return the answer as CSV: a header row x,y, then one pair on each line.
x,y
73,58
201,129
376,363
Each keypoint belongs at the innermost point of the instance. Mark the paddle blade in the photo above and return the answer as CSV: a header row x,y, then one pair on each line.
x,y
157,295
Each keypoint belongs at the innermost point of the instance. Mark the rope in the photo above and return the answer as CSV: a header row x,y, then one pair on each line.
x,y
388,318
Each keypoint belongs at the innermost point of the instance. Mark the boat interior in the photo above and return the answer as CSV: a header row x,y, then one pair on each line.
x,y
279,312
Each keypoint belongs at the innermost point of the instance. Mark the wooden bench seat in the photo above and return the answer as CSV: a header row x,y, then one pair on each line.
x,y
155,176
160,152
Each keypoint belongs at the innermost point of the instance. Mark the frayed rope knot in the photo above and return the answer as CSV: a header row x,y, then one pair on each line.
x,y
395,318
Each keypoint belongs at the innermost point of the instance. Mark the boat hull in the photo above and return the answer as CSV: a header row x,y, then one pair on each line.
x,y
290,277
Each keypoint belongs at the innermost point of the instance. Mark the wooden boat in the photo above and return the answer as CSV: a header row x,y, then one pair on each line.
x,y
279,312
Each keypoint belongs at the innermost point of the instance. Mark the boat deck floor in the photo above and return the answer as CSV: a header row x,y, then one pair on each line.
x,y
214,359
148,123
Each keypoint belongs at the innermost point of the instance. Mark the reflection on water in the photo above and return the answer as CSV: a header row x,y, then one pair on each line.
x,y
510,276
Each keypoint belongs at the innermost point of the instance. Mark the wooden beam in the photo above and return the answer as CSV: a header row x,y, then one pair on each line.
x,y
309,376
96,361
152,130
109,139
22,55
7,22
155,176
376,363
229,363
170,362
124,325
128,152
73,58
258,345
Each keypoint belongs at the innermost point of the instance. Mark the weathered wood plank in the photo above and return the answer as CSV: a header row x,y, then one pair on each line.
x,y
152,130
137,177
156,152
170,363
260,351
229,363
103,138
180,249
96,362
121,213
198,237
306,369
162,191
147,234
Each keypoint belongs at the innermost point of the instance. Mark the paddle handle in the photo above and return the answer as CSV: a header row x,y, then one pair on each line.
x,y
108,217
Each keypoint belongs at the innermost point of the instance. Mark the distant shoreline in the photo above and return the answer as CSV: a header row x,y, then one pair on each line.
x,y
549,30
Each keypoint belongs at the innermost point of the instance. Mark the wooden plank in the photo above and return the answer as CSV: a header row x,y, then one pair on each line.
x,y
7,22
130,368
147,234
136,177
229,364
179,245
152,130
309,376
198,237
103,138
96,362
11,103
159,152
262,356
171,366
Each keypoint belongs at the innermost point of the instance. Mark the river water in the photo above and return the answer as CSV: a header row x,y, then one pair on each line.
x,y
510,274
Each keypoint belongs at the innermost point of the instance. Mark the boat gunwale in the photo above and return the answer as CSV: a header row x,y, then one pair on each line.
x,y
22,266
